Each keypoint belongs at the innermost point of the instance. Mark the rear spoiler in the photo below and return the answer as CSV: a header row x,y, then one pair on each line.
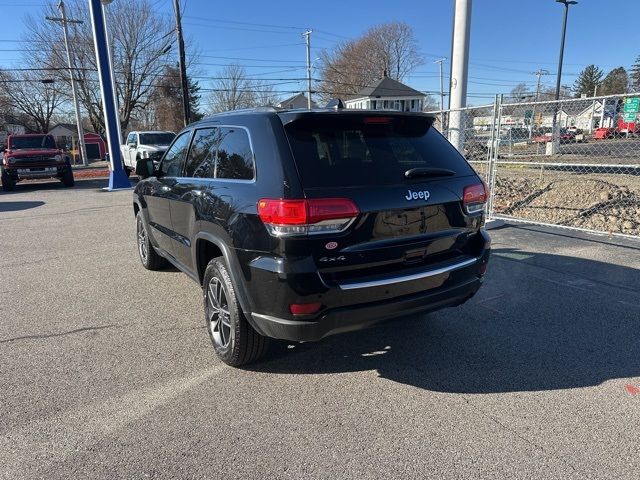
x,y
291,116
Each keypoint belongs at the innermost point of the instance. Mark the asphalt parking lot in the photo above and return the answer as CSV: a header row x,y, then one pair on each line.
x,y
106,369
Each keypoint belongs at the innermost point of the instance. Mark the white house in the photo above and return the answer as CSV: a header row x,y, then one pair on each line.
x,y
388,94
7,129
583,115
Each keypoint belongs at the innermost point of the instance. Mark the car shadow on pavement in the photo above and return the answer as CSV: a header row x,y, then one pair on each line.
x,y
530,328
17,206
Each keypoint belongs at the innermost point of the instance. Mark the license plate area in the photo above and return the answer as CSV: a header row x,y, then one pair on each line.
x,y
25,171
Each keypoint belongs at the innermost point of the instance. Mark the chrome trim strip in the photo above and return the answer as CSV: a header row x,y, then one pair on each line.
x,y
408,278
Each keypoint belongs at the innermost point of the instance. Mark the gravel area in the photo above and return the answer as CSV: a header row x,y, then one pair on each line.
x,y
603,202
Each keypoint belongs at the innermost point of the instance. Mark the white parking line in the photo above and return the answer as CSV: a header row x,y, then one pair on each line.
x,y
57,437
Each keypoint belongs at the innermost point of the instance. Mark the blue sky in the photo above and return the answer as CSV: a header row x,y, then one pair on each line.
x,y
510,39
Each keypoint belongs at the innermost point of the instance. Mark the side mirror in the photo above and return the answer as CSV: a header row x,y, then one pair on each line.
x,y
144,168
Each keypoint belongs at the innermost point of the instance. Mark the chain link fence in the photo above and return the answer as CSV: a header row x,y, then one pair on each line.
x,y
574,163
476,133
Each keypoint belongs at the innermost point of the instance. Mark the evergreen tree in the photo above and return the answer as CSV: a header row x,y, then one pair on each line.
x,y
587,81
635,75
194,100
616,82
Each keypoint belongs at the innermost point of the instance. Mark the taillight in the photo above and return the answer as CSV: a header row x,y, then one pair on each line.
x,y
474,198
308,216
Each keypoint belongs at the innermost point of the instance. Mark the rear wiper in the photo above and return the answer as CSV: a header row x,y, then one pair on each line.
x,y
428,172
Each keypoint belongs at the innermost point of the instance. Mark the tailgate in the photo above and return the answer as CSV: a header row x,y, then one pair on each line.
x,y
407,222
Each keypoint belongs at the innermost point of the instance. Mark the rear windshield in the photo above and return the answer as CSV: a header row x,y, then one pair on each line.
x,y
45,141
361,150
156,138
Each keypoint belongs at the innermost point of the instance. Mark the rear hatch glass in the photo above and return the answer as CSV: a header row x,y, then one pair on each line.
x,y
356,150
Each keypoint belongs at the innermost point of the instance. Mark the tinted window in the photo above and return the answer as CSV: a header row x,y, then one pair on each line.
x,y
368,150
172,162
156,138
202,155
235,158
44,141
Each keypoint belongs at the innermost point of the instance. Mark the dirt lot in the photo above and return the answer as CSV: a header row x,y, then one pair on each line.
x,y
596,201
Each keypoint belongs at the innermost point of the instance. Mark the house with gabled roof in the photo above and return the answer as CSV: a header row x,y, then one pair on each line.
x,y
388,94
297,101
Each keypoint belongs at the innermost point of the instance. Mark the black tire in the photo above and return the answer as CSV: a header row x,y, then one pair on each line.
x,y
243,344
8,183
148,256
67,177
127,171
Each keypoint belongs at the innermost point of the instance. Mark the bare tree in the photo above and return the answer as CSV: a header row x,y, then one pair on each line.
x,y
27,94
232,90
354,64
265,95
141,41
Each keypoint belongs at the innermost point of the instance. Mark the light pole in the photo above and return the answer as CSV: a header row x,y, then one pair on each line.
x,y
459,72
117,176
113,78
556,136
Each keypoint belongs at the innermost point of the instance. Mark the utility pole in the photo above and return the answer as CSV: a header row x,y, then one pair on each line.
x,y
459,71
64,21
539,73
183,67
440,62
307,36
593,107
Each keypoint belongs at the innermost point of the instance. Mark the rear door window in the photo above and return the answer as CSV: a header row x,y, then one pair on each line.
x,y
202,156
354,150
221,152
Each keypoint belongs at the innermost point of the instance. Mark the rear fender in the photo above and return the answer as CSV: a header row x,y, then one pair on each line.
x,y
233,268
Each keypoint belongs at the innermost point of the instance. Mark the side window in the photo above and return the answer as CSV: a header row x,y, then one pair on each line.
x,y
202,155
131,138
173,160
235,158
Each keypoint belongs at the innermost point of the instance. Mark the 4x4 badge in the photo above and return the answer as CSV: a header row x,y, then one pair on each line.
x,y
423,195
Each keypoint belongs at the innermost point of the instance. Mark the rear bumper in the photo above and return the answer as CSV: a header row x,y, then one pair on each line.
x,y
352,318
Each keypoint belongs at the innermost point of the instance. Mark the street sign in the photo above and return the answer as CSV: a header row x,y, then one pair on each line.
x,y
632,105
629,116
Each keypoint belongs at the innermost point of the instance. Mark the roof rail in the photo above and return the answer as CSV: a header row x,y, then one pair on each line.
x,y
249,110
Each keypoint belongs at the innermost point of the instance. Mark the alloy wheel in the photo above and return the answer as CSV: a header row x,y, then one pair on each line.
x,y
142,241
218,314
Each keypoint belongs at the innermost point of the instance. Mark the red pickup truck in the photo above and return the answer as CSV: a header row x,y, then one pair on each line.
x,y
34,156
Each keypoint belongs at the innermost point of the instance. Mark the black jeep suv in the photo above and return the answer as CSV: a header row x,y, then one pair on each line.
x,y
300,224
